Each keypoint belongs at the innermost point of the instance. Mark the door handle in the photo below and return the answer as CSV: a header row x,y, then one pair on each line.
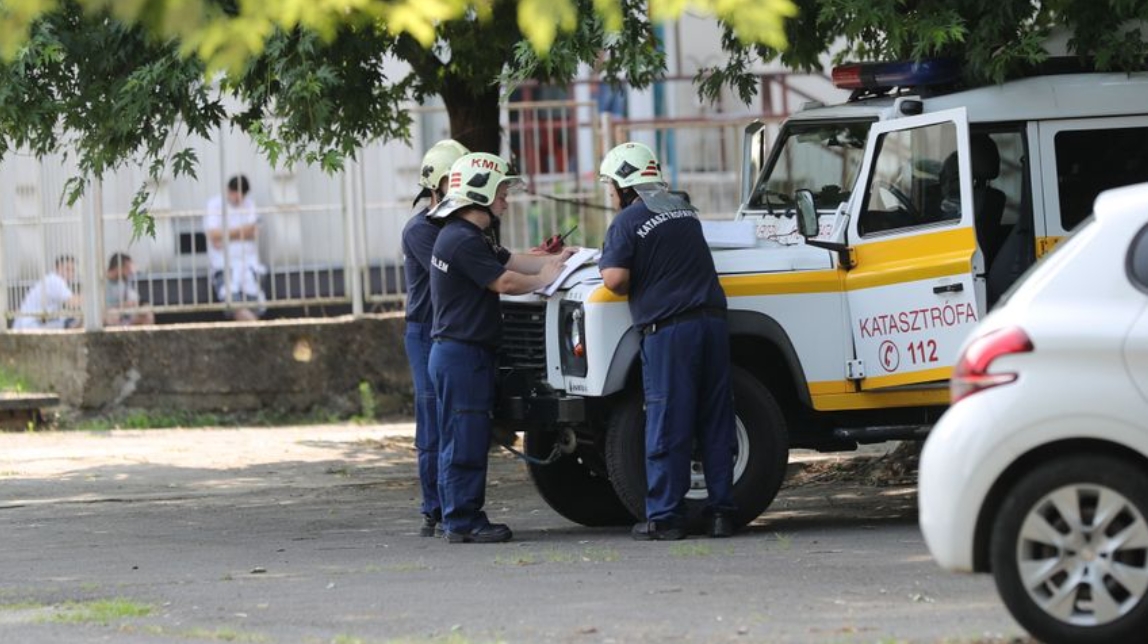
x,y
949,288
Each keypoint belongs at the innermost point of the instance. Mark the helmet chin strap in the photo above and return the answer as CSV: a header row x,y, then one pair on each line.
x,y
627,195
494,230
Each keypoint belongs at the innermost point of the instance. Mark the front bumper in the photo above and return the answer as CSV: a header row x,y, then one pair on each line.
x,y
524,398
546,410
956,471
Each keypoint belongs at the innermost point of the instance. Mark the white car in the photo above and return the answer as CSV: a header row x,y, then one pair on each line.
x,y
1039,470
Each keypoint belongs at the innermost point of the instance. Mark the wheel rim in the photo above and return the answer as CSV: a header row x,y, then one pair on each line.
x,y
741,458
1082,555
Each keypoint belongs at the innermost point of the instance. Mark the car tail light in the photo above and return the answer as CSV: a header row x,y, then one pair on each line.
x,y
971,373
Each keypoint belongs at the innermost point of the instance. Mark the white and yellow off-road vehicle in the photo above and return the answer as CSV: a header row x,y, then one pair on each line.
x,y
930,204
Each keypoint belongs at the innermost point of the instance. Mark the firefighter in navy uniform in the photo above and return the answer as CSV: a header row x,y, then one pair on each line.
x,y
656,254
468,272
418,238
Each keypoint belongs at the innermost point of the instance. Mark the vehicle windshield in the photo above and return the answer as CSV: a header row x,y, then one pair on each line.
x,y
822,157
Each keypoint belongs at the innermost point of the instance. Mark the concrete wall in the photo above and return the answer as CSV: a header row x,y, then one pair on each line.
x,y
287,365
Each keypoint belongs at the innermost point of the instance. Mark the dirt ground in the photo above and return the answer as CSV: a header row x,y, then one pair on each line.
x,y
309,534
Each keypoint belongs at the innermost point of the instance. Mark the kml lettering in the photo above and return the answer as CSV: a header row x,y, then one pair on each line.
x,y
489,164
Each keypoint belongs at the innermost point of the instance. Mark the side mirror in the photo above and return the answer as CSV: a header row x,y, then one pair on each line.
x,y
807,223
809,227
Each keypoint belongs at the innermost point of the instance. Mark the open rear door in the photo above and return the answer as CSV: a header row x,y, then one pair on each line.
x,y
912,293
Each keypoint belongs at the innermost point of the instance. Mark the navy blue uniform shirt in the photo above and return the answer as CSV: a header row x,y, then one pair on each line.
x,y
671,269
463,264
418,242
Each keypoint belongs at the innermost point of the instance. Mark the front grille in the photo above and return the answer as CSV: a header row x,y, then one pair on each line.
x,y
524,336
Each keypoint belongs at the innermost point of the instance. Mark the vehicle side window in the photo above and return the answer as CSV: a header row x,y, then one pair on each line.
x,y
1138,260
1089,162
915,180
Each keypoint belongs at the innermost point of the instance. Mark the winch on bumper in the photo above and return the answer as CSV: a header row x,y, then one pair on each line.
x,y
524,399
524,396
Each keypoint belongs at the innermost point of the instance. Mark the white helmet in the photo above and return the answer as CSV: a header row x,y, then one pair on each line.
x,y
474,180
630,164
437,162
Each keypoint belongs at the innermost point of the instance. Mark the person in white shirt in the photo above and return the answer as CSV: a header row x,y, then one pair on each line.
x,y
52,294
121,299
233,251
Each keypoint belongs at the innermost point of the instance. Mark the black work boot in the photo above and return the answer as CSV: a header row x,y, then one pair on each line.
x,y
489,533
721,526
658,531
432,525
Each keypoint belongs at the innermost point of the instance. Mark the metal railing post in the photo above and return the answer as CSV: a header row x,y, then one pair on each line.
x,y
352,269
361,236
4,288
225,210
91,279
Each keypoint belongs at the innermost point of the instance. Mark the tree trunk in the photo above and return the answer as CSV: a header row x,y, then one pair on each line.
x,y
473,115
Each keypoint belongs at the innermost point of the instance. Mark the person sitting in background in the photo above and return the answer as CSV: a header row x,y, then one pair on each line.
x,y
51,295
234,248
120,295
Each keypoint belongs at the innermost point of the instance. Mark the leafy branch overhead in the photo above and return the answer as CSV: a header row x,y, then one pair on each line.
x,y
121,83
994,39
226,34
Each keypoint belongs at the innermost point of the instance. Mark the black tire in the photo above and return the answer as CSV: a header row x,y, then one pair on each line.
x,y
1021,532
572,488
761,460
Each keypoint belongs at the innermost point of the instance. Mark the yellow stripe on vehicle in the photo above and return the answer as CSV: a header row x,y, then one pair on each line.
x,y
909,259
831,387
603,294
909,377
878,399
793,283
1044,245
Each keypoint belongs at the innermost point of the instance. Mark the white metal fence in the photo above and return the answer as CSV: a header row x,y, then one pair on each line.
x,y
331,243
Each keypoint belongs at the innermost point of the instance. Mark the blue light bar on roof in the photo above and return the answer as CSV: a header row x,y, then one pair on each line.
x,y
897,74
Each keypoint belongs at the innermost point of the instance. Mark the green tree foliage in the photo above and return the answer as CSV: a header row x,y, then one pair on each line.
x,y
118,81
994,39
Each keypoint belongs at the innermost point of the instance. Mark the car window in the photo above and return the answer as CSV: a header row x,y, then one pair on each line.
x,y
1089,162
915,180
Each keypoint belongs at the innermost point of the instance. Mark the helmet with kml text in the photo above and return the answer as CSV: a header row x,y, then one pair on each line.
x,y
474,180
630,164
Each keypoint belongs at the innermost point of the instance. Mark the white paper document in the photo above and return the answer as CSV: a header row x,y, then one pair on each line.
x,y
573,263
729,234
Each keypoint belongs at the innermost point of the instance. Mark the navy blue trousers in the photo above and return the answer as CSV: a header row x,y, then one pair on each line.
x,y
463,376
686,376
418,344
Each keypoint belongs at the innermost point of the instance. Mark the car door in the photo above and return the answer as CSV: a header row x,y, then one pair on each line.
x,y
917,287
1136,344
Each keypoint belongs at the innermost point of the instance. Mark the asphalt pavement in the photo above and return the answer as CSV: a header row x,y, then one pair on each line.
x,y
310,535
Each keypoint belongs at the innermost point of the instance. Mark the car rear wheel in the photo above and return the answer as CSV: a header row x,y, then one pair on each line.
x,y
759,464
572,487
1069,550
